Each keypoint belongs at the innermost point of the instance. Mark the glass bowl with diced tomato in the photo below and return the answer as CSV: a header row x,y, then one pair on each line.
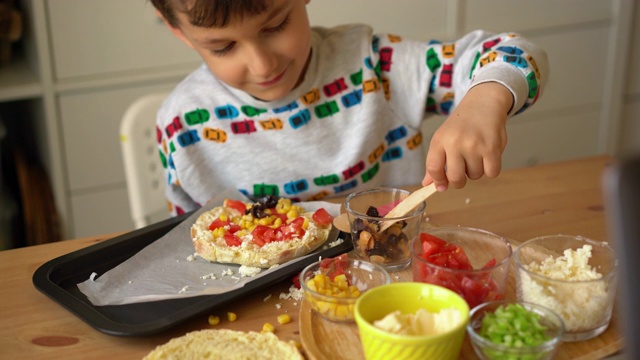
x,y
473,263
333,285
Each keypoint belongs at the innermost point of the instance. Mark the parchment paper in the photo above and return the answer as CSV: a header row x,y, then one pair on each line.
x,y
169,269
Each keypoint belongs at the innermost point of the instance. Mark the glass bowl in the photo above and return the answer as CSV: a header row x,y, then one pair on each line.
x,y
574,276
390,248
553,330
435,260
334,296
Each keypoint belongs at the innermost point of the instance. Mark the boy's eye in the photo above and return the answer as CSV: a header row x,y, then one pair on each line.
x,y
278,27
223,51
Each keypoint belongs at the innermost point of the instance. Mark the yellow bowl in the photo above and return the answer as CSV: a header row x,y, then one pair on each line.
x,y
408,297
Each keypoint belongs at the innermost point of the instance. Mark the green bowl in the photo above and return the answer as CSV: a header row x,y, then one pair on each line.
x,y
408,297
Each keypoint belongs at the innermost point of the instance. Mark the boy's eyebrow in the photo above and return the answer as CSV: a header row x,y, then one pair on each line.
x,y
270,15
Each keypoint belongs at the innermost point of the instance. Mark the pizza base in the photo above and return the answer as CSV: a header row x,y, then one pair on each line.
x,y
226,344
249,254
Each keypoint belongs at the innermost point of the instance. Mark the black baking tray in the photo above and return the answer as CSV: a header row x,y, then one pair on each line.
x,y
58,279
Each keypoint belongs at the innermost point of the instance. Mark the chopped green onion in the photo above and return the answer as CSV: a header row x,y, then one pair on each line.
x,y
514,326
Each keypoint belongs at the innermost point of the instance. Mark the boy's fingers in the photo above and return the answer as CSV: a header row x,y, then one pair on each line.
x,y
456,171
436,169
492,167
475,168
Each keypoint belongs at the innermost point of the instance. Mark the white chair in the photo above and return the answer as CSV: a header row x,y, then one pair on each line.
x,y
143,170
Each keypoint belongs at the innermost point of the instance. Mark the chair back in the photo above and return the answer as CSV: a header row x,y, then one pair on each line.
x,y
143,170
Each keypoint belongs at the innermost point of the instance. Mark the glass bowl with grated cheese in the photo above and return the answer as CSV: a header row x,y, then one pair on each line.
x,y
573,276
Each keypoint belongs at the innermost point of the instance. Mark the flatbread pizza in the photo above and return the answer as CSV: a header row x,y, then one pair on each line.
x,y
262,234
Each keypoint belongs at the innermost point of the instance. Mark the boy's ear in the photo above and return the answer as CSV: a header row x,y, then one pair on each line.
x,y
177,32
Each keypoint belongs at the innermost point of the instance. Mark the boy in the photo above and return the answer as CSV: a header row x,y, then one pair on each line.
x,y
281,108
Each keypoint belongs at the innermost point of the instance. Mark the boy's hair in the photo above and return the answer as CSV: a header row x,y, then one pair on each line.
x,y
209,13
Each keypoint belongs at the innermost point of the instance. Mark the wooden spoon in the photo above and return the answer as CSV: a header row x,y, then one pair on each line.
x,y
405,206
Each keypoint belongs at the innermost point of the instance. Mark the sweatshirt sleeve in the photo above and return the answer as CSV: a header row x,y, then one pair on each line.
x,y
168,128
438,74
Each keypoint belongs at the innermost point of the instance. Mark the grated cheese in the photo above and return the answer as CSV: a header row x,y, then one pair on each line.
x,y
582,303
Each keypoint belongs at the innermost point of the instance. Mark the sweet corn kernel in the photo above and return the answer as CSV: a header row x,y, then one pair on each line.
x,y
231,316
214,320
219,232
284,319
277,223
224,217
305,225
268,328
283,206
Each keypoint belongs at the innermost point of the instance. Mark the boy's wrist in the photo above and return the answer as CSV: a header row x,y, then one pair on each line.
x,y
496,93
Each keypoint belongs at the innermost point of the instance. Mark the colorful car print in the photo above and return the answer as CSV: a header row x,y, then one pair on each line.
x,y
335,87
300,119
296,187
512,50
533,85
433,62
393,153
163,159
353,171
251,111
217,135
487,45
432,106
473,66
243,127
288,107
487,58
196,117
173,127
356,78
375,154
534,65
414,141
326,180
368,62
396,134
518,61
352,98
371,85
386,87
344,187
394,38
158,135
188,138
448,50
311,97
385,58
445,107
369,174
226,112
446,75
271,124
318,196
327,109
261,190
374,43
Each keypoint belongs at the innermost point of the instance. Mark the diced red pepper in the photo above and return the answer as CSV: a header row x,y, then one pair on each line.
x,y
322,217
232,240
235,204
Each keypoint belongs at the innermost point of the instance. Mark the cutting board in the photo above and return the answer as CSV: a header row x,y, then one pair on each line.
x,y
323,339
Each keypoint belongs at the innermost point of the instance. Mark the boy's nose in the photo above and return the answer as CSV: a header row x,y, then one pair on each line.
x,y
262,61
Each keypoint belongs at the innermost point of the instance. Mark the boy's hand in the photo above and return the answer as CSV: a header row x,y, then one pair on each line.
x,y
471,141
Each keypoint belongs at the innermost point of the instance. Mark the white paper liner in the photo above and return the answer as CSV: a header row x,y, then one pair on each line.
x,y
168,269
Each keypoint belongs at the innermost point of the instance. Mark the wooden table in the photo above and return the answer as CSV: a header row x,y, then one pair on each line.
x,y
519,204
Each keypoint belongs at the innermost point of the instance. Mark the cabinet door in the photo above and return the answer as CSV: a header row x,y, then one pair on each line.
x,y
92,37
102,212
90,126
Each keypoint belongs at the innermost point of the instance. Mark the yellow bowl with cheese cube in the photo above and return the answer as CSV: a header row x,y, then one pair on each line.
x,y
333,285
411,320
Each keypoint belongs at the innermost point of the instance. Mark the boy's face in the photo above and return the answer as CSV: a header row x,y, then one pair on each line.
x,y
264,55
